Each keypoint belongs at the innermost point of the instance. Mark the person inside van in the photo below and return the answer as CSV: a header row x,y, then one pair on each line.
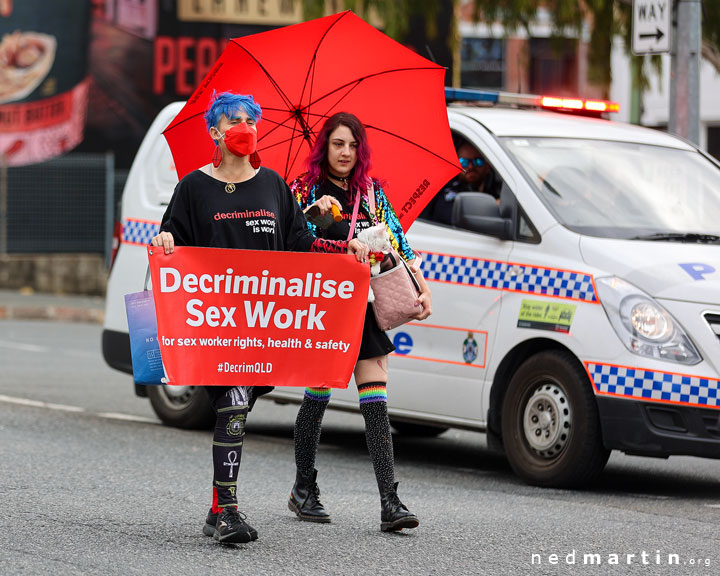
x,y
231,184
477,176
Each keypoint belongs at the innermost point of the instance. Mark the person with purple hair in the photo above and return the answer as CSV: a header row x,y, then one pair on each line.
x,y
338,173
235,183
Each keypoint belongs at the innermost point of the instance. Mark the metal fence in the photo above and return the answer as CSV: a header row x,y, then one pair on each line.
x,y
66,205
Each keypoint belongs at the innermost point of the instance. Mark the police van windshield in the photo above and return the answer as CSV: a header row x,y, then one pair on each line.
x,y
623,190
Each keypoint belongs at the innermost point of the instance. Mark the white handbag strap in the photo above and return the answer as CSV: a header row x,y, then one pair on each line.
x,y
356,207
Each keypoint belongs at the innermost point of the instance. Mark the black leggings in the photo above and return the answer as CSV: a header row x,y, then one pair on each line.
x,y
231,408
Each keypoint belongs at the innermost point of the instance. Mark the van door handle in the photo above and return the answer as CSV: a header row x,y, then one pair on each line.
x,y
516,270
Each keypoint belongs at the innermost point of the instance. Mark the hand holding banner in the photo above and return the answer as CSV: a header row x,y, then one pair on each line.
x,y
258,318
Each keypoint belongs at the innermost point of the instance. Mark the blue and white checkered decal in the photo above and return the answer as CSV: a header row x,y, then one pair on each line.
x,y
651,385
509,276
139,231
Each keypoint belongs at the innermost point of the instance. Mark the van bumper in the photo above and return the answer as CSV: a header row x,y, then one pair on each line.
x,y
116,350
661,430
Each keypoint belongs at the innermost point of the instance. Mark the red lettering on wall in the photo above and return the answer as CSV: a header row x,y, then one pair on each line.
x,y
38,114
184,65
163,62
206,52
181,63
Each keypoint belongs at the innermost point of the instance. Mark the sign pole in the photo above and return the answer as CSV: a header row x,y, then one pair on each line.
x,y
3,204
685,72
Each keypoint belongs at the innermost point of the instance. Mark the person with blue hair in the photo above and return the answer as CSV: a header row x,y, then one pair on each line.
x,y
235,183
227,103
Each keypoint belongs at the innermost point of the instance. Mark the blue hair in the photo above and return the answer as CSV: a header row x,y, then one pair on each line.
x,y
228,103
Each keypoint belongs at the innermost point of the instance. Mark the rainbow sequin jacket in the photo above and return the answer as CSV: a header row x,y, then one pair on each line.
x,y
384,213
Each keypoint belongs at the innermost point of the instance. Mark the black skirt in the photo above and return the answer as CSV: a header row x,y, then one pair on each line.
x,y
375,342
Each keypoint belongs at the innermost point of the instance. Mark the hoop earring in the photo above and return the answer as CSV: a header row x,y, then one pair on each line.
x,y
217,156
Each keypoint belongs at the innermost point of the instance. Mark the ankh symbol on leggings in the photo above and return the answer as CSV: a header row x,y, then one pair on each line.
x,y
232,461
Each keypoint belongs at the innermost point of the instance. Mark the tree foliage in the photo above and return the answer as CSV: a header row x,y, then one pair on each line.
x,y
606,18
395,14
711,32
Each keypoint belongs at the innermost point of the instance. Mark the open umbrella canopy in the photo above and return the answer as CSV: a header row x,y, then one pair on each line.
x,y
302,74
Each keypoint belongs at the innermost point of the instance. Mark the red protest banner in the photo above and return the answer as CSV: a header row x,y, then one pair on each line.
x,y
258,318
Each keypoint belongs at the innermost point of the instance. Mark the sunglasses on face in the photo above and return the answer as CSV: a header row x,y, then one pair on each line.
x,y
465,162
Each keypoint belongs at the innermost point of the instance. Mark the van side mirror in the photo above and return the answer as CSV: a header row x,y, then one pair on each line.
x,y
480,213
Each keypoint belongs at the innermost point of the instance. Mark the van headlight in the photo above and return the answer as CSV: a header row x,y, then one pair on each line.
x,y
643,325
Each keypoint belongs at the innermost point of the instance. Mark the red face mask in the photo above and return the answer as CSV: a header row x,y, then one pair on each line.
x,y
241,140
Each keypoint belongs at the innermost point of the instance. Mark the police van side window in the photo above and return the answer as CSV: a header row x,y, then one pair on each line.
x,y
495,200
526,232
477,175
522,227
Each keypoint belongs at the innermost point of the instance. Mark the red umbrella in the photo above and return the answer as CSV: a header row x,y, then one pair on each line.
x,y
302,74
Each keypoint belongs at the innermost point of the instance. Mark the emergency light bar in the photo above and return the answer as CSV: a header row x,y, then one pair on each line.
x,y
579,104
455,94
492,97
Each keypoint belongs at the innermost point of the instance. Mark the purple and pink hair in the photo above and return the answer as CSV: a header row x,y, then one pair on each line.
x,y
318,159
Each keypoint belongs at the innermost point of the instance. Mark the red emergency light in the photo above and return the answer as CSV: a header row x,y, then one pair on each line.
x,y
573,104
578,106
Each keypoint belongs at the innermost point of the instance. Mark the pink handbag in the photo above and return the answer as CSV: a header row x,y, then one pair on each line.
x,y
396,289
396,293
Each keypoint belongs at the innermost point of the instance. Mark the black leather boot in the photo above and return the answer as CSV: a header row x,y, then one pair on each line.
x,y
305,499
395,515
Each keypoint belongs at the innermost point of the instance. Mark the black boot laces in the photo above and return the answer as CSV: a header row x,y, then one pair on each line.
x,y
396,503
315,492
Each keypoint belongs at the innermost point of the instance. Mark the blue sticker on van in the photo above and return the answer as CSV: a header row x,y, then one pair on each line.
x,y
697,270
403,343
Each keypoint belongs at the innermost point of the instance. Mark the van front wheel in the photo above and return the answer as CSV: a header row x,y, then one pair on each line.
x,y
550,423
182,406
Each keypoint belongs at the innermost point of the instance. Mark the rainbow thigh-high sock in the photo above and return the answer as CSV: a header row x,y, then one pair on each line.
x,y
373,407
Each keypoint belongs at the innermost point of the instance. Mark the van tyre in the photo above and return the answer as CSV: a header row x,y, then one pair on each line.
x,y
185,407
550,423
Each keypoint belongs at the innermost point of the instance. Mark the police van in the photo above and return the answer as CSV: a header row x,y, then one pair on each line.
x,y
576,309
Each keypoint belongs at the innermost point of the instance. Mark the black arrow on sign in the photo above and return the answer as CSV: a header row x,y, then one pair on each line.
x,y
657,35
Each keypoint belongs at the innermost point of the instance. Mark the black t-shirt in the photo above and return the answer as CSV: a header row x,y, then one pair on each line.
x,y
261,214
339,230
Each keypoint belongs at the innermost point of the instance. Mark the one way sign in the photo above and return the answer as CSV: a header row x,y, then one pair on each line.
x,y
651,26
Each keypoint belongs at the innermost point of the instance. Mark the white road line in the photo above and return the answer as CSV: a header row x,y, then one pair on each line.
x,y
23,347
40,404
127,417
79,353
76,409
712,505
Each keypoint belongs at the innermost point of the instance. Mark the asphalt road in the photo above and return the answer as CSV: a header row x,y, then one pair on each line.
x,y
91,483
